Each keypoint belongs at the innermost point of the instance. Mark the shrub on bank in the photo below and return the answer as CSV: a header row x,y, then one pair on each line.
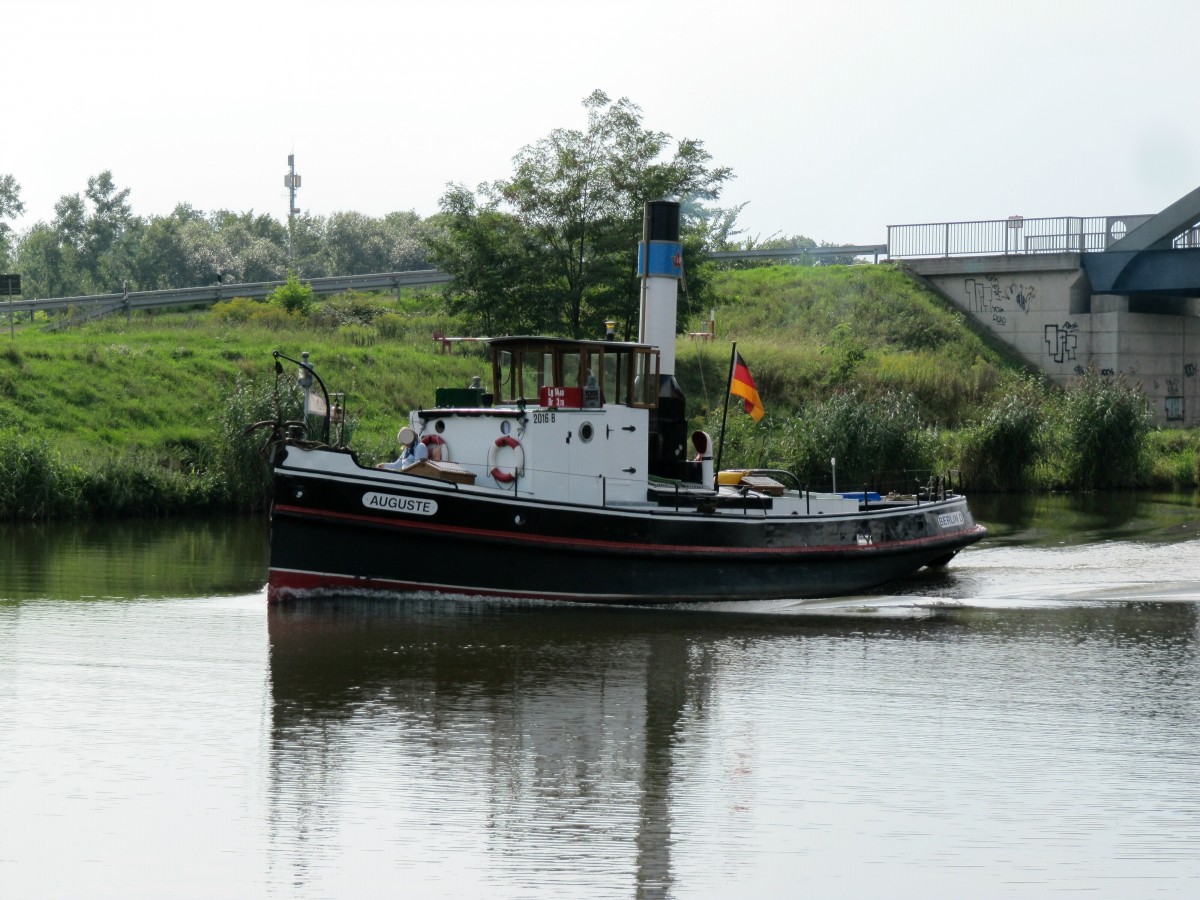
x,y
31,478
37,482
998,453
1100,427
294,296
877,441
239,460
1175,459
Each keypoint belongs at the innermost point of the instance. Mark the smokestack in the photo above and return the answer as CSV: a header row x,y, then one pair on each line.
x,y
660,266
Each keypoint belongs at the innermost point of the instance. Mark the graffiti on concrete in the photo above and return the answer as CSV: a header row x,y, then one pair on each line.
x,y
1021,294
987,298
1108,373
1173,386
977,295
1061,341
1189,370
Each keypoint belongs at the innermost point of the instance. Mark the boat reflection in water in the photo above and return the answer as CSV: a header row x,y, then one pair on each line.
x,y
521,750
555,727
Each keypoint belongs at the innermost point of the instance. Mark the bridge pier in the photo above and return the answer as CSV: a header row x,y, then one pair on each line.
x,y
1043,307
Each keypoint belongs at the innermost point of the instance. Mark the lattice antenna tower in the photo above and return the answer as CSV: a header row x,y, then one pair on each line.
x,y
291,181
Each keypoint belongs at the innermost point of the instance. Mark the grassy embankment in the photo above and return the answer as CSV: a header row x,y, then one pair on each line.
x,y
144,417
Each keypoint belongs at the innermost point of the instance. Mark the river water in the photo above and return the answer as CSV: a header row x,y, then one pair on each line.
x,y
1024,724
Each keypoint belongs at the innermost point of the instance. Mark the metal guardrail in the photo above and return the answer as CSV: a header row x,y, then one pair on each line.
x,y
872,250
1018,235
92,306
102,304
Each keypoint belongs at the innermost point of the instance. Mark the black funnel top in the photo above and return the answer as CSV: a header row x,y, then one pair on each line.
x,y
661,222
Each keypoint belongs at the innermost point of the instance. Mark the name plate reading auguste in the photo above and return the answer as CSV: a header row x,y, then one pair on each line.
x,y
417,506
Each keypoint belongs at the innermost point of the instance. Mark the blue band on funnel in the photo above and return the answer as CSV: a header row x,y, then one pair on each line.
x,y
666,258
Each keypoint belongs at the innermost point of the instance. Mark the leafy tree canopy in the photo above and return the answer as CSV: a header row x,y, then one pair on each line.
x,y
10,207
95,244
553,246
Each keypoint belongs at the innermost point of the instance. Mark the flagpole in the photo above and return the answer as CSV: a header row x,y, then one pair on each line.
x,y
724,416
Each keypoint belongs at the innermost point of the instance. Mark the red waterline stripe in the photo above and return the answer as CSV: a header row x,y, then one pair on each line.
x,y
281,580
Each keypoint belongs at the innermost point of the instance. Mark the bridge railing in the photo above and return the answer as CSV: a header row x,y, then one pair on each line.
x,y
1017,235
1014,235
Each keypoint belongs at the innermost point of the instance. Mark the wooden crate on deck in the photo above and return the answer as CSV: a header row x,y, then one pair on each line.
x,y
444,471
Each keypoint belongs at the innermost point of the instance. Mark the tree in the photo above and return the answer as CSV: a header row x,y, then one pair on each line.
x,y
96,244
109,234
310,250
40,260
359,244
256,245
160,259
486,251
10,207
575,204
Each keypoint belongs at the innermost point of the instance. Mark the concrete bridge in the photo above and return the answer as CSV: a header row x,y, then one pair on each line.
x,y
1120,294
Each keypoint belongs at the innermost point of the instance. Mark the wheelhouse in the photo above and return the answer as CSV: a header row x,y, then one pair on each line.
x,y
529,370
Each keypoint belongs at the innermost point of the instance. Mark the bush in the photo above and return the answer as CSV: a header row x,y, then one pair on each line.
x,y
238,457
36,483
351,308
293,296
1176,455
238,310
273,318
879,441
1102,425
392,326
136,484
30,482
999,453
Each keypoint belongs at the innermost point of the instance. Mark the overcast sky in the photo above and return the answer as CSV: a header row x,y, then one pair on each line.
x,y
837,119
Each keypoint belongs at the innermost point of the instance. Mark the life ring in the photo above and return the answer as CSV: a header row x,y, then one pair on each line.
x,y
439,450
518,465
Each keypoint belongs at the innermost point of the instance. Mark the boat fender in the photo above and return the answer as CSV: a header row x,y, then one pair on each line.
x,y
518,466
703,445
439,450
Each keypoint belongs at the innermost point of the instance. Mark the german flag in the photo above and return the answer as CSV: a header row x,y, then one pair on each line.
x,y
743,386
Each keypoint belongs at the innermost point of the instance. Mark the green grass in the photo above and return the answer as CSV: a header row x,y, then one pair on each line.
x,y
121,416
808,332
159,382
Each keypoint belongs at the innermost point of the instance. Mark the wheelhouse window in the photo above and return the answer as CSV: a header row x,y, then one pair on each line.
x,y
626,373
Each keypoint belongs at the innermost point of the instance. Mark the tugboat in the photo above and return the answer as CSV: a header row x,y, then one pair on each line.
x,y
571,479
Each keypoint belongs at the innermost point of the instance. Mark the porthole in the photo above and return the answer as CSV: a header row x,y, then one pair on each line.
x,y
439,426
586,432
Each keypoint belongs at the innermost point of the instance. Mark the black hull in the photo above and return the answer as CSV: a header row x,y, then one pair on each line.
x,y
324,539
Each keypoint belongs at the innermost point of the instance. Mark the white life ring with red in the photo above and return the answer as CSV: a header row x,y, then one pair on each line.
x,y
439,450
518,464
